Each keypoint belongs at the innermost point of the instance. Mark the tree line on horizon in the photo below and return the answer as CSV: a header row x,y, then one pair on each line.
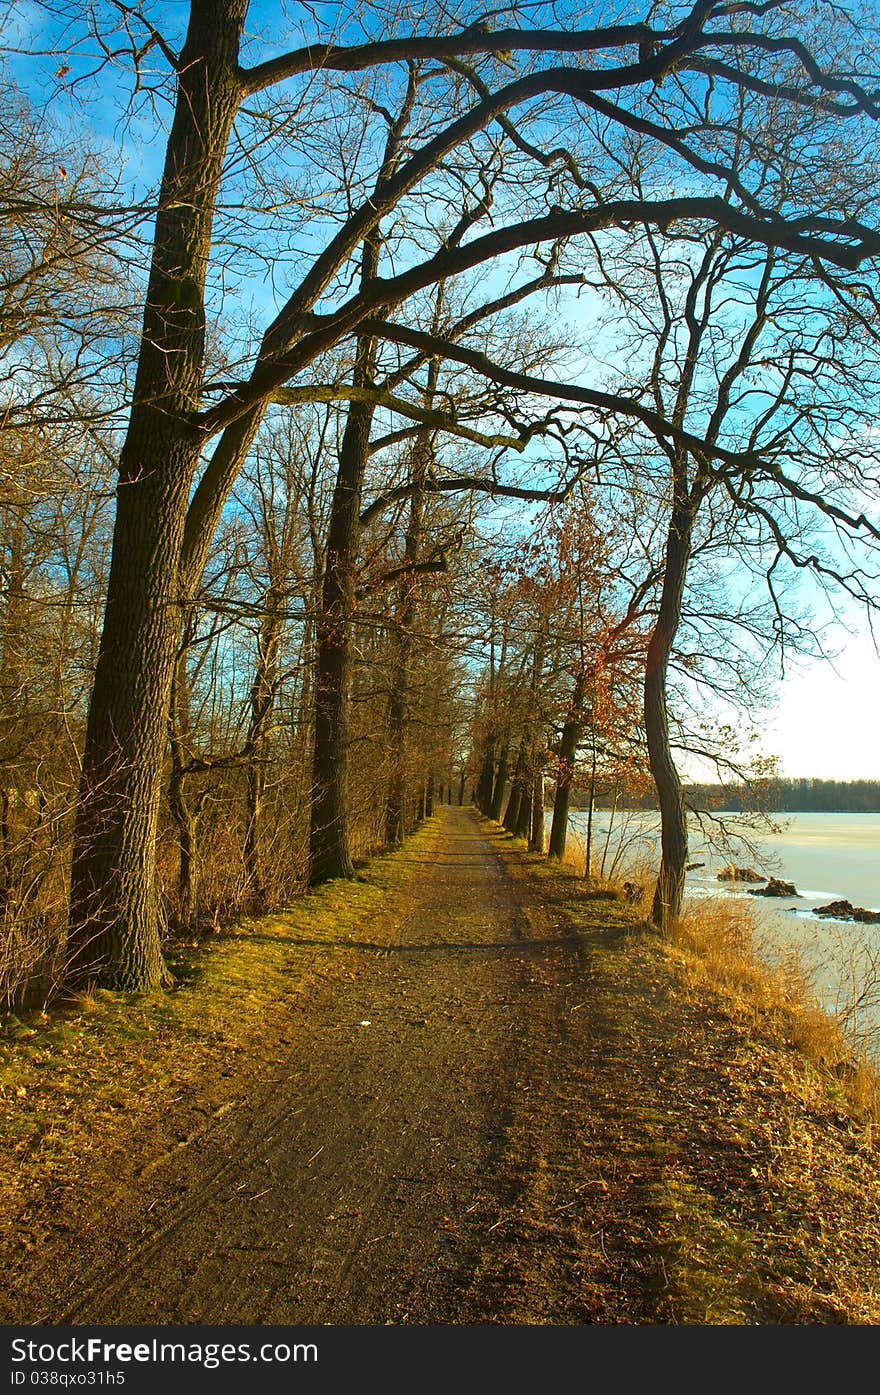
x,y
455,419
801,795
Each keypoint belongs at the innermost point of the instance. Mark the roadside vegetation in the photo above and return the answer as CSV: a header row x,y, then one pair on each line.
x,y
747,1119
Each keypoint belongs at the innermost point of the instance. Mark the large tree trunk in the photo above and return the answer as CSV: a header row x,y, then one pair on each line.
x,y
114,932
571,735
398,700
486,782
674,840
524,816
329,854
395,805
517,792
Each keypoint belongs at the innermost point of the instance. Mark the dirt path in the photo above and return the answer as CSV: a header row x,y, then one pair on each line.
x,y
488,1112
353,1184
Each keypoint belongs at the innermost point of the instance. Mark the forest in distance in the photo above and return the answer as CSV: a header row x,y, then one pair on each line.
x,y
795,796
411,404
790,796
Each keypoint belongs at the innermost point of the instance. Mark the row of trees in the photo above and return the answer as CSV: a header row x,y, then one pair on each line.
x,y
266,545
794,796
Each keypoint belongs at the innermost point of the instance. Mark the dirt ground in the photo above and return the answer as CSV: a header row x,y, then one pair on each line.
x,y
490,1108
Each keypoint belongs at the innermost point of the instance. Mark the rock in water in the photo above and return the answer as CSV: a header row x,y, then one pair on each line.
x,y
845,910
739,874
775,887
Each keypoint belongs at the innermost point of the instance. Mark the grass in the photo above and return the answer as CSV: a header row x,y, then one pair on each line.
x,y
743,1115
714,939
74,1080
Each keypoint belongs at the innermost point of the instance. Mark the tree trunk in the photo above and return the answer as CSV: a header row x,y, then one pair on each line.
x,y
486,782
262,701
537,834
588,853
398,698
114,938
395,804
500,785
674,840
523,823
571,735
514,803
187,836
328,853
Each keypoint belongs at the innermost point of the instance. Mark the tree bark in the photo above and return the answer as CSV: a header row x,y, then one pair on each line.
x,y
114,937
524,816
673,838
537,834
398,700
517,791
262,701
571,735
329,854
486,782
500,784
588,851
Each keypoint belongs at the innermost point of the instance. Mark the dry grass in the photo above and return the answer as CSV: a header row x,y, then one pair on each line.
x,y
729,1129
717,936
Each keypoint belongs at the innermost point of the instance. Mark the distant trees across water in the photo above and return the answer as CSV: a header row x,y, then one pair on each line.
x,y
806,796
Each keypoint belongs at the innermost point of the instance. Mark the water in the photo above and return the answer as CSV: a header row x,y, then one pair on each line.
x,y
829,857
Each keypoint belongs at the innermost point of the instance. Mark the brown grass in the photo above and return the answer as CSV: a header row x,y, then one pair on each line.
x,y
716,937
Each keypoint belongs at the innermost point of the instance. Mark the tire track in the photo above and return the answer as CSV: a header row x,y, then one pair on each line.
x,y
356,1185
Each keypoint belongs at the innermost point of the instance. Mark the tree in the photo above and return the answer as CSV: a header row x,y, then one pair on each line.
x,y
171,493
744,351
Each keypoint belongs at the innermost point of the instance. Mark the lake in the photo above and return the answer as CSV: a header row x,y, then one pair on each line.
x,y
829,857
